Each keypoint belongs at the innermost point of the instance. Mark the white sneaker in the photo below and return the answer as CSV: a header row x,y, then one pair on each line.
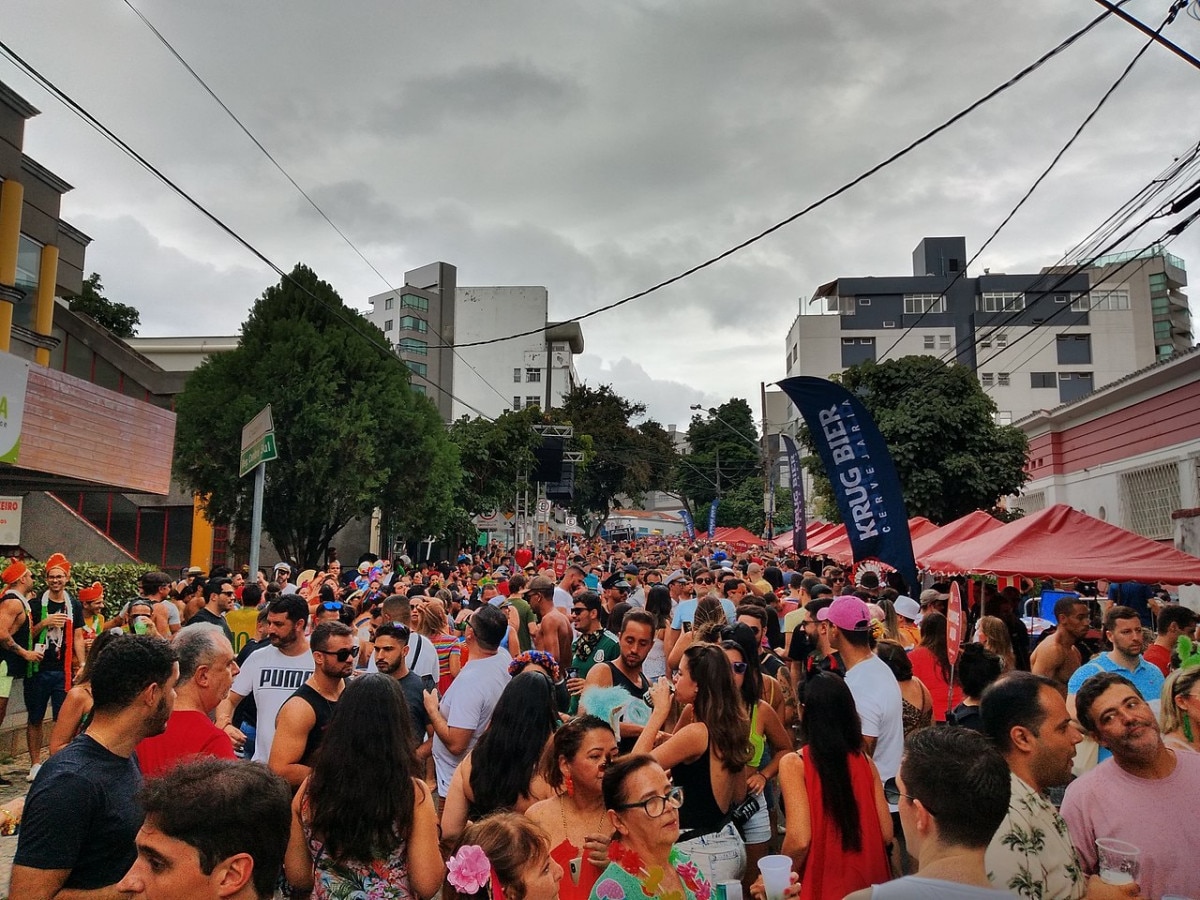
x,y
33,771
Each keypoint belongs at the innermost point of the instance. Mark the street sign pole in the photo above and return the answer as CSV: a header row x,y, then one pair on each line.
x,y
258,446
260,480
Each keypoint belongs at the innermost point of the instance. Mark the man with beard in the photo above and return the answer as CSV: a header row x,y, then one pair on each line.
x,y
1031,854
206,671
391,654
1123,629
554,632
593,646
635,640
305,715
1140,796
1057,656
15,643
271,674
81,816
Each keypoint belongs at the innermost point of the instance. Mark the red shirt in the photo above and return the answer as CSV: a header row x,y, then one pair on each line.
x,y
189,733
1159,656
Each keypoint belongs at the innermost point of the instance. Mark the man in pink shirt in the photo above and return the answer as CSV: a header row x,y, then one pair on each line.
x,y
1140,795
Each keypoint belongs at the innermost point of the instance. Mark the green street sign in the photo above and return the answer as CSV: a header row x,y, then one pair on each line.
x,y
263,451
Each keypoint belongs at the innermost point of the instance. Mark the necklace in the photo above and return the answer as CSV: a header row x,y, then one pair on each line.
x,y
562,808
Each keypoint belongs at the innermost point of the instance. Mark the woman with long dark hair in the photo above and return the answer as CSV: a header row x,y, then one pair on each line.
x,y
838,824
658,604
501,771
707,758
363,823
931,663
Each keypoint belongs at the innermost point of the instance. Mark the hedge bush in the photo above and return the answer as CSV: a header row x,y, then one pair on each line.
x,y
120,580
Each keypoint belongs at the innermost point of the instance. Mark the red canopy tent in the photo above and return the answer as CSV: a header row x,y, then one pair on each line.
x,y
839,551
961,529
816,546
813,531
1061,542
729,535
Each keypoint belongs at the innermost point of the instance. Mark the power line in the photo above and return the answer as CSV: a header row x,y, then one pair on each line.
x,y
1029,193
1155,35
311,202
816,204
340,311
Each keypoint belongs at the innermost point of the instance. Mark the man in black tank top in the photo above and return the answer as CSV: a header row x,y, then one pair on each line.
x,y
15,643
305,715
635,640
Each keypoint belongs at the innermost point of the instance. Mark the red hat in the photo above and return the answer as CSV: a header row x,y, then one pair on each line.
x,y
58,561
94,592
14,572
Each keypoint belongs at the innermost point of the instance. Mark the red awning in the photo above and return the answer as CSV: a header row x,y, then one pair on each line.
x,y
1061,542
962,529
729,535
839,550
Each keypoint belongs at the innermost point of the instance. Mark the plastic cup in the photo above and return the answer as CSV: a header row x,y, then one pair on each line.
x,y
776,871
1117,861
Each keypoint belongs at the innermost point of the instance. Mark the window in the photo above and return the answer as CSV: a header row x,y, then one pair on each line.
x,y
864,301
1162,330
1074,349
1073,385
387,326
533,401
1001,301
918,304
943,342
389,302
517,375
929,339
1043,379
412,323
516,404
29,262
1102,301
985,343
1003,417
987,379
856,351
1003,379
417,368
412,301
412,345
1148,497
418,388
841,305
532,375
1001,341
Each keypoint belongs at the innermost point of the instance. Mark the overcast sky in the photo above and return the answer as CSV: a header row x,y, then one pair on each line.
x,y
595,148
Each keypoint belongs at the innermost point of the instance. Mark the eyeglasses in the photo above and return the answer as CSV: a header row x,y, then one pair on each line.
x,y
341,655
577,610
228,593
892,794
331,604
656,806
704,581
739,668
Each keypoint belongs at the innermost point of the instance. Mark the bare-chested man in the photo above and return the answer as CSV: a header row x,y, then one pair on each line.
x,y
554,633
1057,657
14,632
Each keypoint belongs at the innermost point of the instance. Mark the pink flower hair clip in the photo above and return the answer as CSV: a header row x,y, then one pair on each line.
x,y
469,870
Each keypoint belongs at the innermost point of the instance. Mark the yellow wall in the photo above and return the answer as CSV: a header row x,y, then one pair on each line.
x,y
43,322
12,195
202,538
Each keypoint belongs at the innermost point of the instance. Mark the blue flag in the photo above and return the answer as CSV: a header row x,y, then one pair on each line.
x,y
799,525
712,518
858,464
688,524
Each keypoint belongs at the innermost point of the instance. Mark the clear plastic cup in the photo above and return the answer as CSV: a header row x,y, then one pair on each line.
x,y
1118,861
776,873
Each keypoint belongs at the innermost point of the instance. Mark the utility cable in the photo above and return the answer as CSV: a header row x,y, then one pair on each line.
x,y
311,202
816,204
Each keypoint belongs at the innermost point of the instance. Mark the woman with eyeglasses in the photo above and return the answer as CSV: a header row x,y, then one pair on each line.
x,y
1179,716
707,757
838,823
576,818
367,829
754,815
644,811
501,771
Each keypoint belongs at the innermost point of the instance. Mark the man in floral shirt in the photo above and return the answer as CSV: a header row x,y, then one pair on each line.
x,y
1031,855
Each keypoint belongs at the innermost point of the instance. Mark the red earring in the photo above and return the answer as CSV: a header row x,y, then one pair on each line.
x,y
569,785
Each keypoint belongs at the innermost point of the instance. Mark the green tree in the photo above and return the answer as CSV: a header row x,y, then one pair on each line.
x,y
724,453
939,425
743,507
119,318
351,434
619,458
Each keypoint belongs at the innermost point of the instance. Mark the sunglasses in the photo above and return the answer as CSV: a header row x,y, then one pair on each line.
x,y
341,655
331,604
577,610
704,581
739,668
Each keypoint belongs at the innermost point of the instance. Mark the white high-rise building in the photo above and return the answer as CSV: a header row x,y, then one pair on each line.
x,y
431,311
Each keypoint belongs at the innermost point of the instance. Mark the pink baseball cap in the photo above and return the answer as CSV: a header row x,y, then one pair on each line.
x,y
847,613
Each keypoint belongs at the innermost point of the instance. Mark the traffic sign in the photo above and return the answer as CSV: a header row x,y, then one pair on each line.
x,y
258,442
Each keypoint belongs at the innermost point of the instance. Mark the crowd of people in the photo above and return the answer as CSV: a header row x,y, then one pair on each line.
x,y
597,722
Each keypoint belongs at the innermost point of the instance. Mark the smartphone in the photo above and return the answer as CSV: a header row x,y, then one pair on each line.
x,y
572,673
40,647
428,683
